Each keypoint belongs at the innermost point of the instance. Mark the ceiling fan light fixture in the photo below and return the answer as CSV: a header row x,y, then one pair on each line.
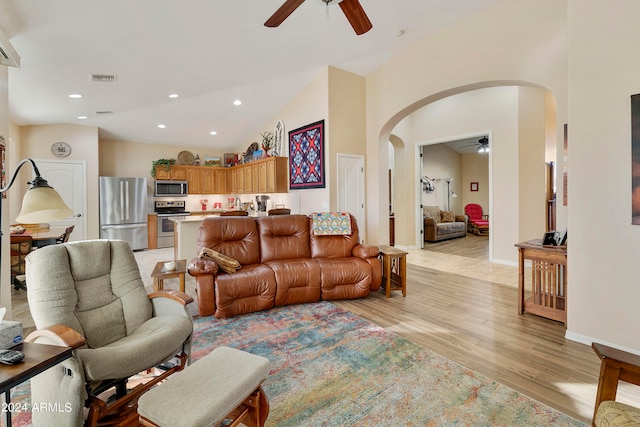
x,y
352,10
484,145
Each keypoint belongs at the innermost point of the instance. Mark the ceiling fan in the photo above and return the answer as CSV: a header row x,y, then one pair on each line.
x,y
351,8
483,145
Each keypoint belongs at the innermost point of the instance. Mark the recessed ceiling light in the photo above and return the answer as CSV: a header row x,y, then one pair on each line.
x,y
75,96
174,95
82,117
161,126
399,33
237,102
213,132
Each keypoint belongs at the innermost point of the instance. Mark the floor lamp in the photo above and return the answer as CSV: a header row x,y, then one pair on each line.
x,y
449,193
41,203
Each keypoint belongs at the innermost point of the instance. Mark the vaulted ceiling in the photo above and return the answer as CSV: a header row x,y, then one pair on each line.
x,y
209,52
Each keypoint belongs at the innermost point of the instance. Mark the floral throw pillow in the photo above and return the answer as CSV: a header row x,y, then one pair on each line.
x,y
447,216
432,212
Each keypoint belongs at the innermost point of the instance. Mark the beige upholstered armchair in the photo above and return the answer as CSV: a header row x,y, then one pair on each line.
x,y
615,366
89,295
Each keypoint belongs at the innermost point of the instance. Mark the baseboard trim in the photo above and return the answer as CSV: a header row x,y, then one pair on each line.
x,y
587,340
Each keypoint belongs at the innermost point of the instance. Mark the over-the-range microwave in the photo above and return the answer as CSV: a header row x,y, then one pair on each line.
x,y
171,188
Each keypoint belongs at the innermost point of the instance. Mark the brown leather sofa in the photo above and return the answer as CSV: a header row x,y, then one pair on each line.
x,y
282,263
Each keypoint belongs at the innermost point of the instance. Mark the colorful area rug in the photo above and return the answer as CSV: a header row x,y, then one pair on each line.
x,y
332,368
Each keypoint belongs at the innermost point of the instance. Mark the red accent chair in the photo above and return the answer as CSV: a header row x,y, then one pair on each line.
x,y
478,223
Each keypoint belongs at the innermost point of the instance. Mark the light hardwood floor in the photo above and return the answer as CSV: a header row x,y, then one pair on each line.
x,y
464,308
475,323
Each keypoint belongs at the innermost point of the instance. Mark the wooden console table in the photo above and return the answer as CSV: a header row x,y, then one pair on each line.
x,y
548,280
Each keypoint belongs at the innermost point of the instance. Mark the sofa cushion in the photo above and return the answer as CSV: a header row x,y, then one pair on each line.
x,y
252,288
450,227
298,281
343,278
123,357
235,237
76,291
284,237
614,414
432,212
447,216
334,246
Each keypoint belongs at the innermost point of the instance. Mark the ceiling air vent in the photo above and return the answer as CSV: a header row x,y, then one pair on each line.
x,y
103,113
104,78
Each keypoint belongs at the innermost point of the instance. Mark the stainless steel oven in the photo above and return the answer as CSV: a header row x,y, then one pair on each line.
x,y
167,212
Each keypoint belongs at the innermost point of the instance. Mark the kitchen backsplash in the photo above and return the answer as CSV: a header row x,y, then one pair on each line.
x,y
193,204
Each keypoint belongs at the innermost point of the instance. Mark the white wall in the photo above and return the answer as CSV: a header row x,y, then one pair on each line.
x,y
475,168
584,53
308,106
5,276
492,111
36,141
603,266
526,46
440,161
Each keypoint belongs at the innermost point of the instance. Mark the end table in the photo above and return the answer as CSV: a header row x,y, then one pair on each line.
x,y
394,269
160,273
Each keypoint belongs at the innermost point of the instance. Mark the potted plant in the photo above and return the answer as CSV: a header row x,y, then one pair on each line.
x,y
267,142
166,163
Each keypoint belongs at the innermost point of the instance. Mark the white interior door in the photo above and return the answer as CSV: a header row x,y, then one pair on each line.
x,y
68,179
351,188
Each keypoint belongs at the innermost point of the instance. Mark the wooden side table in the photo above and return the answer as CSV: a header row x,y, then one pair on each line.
x,y
394,270
548,280
160,273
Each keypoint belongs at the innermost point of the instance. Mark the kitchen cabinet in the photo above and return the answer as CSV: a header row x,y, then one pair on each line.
x,y
208,180
277,175
270,175
238,173
179,173
192,176
255,177
220,180
174,173
152,230
248,179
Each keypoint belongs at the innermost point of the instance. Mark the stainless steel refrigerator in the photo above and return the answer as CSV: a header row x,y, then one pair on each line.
x,y
123,210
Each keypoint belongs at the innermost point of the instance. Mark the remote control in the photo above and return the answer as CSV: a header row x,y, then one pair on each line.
x,y
11,357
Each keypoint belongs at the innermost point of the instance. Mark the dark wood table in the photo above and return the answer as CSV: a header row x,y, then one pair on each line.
x,y
37,359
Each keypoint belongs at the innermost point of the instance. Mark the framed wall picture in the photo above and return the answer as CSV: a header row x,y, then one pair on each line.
x,y
474,186
306,157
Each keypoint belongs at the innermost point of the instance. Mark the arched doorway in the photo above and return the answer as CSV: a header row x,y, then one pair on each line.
x,y
519,117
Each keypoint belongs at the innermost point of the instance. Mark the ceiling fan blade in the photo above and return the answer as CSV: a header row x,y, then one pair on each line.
x,y
283,12
356,16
